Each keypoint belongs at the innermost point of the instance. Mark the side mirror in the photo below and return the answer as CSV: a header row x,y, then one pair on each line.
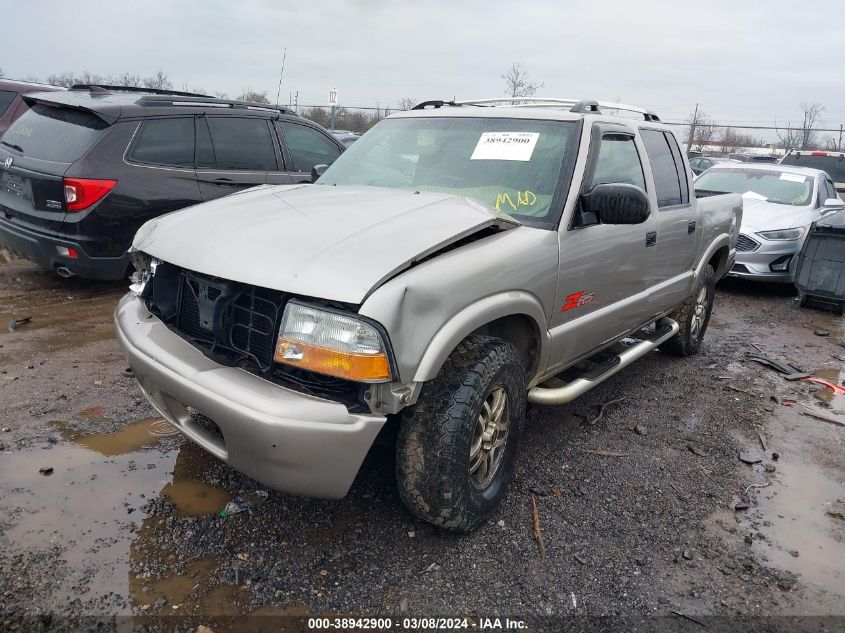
x,y
833,203
317,171
615,204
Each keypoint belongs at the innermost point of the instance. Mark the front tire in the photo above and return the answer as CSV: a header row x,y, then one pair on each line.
x,y
693,316
458,443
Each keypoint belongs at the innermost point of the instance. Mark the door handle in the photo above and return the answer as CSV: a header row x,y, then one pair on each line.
x,y
691,228
223,181
650,238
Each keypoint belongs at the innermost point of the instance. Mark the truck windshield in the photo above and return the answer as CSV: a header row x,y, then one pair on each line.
x,y
510,165
773,186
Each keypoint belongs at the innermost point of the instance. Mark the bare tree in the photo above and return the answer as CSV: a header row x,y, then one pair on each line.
x,y
1,73
159,81
89,78
805,136
406,103
254,96
518,83
733,141
811,116
126,79
62,79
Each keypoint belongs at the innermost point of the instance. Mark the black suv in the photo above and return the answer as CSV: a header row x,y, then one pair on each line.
x,y
82,170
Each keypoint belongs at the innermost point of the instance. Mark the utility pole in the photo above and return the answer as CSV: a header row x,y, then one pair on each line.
x,y
331,120
692,129
839,144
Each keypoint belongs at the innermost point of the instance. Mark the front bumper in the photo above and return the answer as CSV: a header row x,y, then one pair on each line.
x,y
40,249
755,264
286,440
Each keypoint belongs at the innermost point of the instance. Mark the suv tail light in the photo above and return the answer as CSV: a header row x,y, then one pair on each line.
x,y
81,193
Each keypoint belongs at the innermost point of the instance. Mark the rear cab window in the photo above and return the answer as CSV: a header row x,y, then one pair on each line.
x,y
55,134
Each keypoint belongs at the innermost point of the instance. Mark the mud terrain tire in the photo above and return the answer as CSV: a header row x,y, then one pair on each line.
x,y
693,315
438,434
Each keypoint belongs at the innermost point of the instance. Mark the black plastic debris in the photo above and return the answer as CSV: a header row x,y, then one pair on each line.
x,y
14,323
750,456
820,273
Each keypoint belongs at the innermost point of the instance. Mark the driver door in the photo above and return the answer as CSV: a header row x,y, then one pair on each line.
x,y
604,269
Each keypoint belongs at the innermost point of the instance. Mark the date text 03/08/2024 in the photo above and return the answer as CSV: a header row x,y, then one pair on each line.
x,y
414,624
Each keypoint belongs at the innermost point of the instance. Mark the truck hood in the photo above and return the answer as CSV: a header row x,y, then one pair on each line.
x,y
760,215
331,242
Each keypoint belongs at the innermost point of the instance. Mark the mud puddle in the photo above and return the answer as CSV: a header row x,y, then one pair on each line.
x,y
87,513
800,535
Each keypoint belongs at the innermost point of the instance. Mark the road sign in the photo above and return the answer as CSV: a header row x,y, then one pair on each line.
x,y
333,97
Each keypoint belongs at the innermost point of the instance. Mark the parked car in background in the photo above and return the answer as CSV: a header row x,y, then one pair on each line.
x,y
752,158
82,169
448,264
347,139
703,163
12,104
831,162
780,203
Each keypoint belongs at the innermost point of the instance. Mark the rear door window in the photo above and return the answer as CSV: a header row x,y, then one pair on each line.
x,y
667,183
308,147
618,162
168,142
239,144
679,165
54,134
6,98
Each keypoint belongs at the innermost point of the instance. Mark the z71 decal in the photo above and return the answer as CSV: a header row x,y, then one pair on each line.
x,y
577,299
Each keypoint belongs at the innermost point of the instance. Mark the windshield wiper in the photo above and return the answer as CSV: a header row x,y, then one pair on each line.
x,y
13,146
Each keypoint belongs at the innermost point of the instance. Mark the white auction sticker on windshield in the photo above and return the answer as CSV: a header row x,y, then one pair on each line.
x,y
792,177
505,146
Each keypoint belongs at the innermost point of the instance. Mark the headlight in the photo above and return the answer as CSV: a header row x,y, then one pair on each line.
x,y
333,344
785,234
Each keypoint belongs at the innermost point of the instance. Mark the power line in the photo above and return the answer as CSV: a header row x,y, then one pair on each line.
x,y
754,127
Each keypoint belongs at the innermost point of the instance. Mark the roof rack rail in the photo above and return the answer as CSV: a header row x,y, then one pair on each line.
x,y
214,102
573,105
434,103
105,89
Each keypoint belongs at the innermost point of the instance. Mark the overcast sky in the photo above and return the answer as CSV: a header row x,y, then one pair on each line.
x,y
742,60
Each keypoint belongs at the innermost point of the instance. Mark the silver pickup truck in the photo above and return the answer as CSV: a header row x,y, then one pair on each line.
x,y
459,261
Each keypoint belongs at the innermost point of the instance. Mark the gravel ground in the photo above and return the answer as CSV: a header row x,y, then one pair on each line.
x,y
127,523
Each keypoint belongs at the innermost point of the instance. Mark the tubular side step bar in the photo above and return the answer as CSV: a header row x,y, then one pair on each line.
x,y
666,329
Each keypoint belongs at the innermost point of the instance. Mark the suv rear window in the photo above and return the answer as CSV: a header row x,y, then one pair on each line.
x,y
6,98
165,142
833,165
55,134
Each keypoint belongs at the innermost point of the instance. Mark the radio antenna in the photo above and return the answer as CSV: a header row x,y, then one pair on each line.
x,y
281,74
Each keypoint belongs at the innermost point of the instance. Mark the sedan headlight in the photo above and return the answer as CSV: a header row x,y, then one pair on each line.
x,y
331,343
784,234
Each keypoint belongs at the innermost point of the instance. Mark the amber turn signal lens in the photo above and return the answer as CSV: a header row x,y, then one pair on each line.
x,y
346,365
